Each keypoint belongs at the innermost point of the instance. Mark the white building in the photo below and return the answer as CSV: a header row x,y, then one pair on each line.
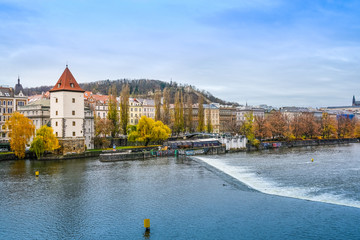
x,y
67,113
242,111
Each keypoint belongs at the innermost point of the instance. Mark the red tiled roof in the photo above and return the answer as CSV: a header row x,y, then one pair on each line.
x,y
102,98
67,82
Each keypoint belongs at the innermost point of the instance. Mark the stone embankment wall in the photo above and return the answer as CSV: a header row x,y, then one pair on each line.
x,y
11,156
303,143
124,156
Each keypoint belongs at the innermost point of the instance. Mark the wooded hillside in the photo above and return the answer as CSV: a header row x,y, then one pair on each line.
x,y
141,88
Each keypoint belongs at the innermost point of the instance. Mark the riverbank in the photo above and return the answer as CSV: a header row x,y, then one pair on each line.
x,y
144,153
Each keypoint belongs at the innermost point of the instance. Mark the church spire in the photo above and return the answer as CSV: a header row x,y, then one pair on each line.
x,y
353,101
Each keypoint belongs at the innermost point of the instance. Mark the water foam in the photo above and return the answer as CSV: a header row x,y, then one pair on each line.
x,y
254,181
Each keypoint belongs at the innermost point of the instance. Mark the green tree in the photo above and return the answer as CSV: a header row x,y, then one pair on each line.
x,y
45,140
21,130
201,124
149,130
113,115
124,108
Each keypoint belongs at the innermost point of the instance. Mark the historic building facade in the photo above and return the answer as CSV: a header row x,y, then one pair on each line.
x,y
10,101
67,113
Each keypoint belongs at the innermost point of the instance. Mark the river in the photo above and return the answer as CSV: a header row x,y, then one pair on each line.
x,y
185,199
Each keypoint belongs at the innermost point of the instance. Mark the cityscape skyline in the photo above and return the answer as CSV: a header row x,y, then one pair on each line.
x,y
280,53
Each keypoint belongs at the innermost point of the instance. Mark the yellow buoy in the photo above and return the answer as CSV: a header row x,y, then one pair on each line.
x,y
36,173
312,160
147,224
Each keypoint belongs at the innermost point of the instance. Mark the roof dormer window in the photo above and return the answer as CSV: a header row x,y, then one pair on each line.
x,y
59,84
71,85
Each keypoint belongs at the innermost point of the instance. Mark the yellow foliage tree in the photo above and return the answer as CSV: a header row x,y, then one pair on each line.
x,y
21,130
45,140
148,130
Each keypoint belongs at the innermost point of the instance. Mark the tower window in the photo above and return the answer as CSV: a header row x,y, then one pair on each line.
x,y
56,113
59,84
56,100
73,123
73,112
56,133
73,100
74,134
56,123
71,85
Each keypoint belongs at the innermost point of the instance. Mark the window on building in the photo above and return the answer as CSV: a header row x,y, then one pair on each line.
x,y
56,100
73,123
56,133
73,112
73,100
56,113
71,85
74,134
59,84
56,123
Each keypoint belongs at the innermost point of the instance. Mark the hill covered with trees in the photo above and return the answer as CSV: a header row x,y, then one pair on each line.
x,y
141,88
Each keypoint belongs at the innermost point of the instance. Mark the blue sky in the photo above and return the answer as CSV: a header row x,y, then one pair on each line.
x,y
277,52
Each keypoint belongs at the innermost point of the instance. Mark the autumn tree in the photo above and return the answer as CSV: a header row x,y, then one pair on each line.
x,y
113,115
21,130
189,114
278,125
157,100
312,127
103,128
357,129
149,130
45,140
297,125
201,122
209,127
346,126
246,127
178,113
261,127
166,106
328,126
124,108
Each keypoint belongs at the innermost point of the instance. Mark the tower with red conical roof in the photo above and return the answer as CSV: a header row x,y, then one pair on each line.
x,y
67,113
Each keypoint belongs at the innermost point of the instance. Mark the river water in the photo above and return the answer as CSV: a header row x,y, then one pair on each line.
x,y
185,199
325,174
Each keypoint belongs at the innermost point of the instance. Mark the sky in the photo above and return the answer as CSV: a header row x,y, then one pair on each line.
x,y
275,52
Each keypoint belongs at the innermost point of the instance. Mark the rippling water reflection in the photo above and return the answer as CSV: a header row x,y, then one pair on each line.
x,y
87,199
